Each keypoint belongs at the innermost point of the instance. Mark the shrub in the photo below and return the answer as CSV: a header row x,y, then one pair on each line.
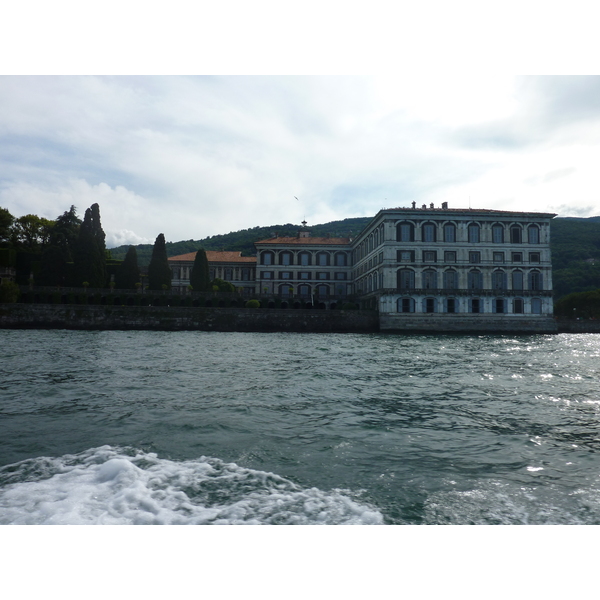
x,y
252,304
349,306
9,292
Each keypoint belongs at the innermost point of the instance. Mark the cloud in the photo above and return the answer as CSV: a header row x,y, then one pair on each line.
x,y
197,156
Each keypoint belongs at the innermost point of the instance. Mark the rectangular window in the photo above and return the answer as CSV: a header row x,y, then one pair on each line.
x,y
450,305
340,276
475,307
322,275
498,257
534,257
499,305
517,257
380,257
228,274
405,256
285,275
304,259
534,235
450,257
474,257
267,274
303,275
429,256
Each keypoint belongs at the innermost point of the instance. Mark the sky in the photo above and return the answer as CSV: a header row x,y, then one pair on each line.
x,y
208,118
193,156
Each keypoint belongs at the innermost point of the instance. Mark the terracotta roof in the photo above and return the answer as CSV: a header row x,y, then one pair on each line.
x,y
215,256
307,241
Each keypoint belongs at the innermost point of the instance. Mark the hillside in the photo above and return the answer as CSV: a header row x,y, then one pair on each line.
x,y
575,245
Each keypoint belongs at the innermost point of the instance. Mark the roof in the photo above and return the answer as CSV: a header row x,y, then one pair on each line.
x,y
216,256
307,241
468,211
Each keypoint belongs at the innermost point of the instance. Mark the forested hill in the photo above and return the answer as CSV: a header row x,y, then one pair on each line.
x,y
243,241
575,245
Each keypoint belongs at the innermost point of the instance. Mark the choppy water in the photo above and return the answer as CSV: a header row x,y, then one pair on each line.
x,y
203,428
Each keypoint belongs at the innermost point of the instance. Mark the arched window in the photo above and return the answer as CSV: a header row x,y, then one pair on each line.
x,y
533,234
405,232
475,305
450,280
451,305
323,259
517,280
428,232
516,234
429,305
499,280
518,306
267,258
285,258
406,305
305,259
376,238
406,279
450,232
499,305
475,280
498,233
429,277
304,290
535,280
285,289
370,242
340,259
474,231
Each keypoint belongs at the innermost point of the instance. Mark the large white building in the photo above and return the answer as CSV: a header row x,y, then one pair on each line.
x,y
487,266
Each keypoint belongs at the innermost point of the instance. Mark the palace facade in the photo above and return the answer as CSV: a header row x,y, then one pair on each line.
x,y
409,264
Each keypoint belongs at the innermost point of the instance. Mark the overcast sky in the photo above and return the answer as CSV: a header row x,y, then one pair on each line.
x,y
196,156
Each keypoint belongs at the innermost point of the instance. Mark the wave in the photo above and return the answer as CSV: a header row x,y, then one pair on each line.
x,y
112,485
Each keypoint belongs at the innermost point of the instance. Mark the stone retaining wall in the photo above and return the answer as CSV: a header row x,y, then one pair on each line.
x,y
71,316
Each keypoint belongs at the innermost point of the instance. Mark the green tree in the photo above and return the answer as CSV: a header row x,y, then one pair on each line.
x,y
90,258
9,292
159,272
220,285
6,221
200,278
31,232
128,273
60,249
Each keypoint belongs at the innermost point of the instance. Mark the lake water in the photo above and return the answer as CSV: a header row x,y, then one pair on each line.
x,y
211,428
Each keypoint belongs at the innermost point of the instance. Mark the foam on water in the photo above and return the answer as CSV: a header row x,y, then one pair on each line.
x,y
109,485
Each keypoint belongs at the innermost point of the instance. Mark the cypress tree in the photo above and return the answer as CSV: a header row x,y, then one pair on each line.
x,y
90,260
200,278
128,273
159,272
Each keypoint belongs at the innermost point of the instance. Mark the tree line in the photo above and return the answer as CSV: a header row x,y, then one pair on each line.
x,y
71,252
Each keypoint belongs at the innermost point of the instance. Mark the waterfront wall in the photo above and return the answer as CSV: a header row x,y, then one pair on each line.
x,y
75,316
71,316
464,323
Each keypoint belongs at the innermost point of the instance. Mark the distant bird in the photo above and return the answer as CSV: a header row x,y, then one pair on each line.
x,y
296,198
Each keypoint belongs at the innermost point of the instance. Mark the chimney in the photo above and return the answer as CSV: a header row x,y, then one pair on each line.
x,y
445,205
